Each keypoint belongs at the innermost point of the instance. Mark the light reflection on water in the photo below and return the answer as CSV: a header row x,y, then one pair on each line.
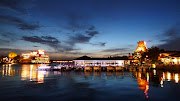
x,y
28,73
107,85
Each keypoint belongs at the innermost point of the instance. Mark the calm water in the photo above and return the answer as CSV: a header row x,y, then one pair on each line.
x,y
22,82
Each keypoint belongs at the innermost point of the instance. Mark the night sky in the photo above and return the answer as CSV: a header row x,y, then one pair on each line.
x,y
66,29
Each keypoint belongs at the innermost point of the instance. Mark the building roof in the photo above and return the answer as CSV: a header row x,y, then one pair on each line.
x,y
172,54
111,58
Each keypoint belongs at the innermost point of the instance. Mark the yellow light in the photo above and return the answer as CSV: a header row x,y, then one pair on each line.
x,y
12,55
40,77
168,76
176,77
145,42
147,77
153,66
175,60
161,83
41,51
154,71
167,60
26,55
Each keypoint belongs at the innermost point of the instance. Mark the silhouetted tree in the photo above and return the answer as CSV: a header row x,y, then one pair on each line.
x,y
152,54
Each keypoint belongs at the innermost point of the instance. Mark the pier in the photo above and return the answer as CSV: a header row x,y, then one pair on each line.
x,y
105,68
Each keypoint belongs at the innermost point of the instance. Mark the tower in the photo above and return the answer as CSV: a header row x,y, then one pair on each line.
x,y
141,47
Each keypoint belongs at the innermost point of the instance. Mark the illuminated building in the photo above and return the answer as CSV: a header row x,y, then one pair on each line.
x,y
141,47
88,61
35,57
170,58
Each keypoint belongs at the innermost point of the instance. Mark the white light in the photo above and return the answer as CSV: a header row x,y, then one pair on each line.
x,y
168,76
147,77
154,71
175,60
144,42
176,77
41,51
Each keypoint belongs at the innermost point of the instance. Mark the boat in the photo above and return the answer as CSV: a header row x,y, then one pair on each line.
x,y
58,66
62,67
43,67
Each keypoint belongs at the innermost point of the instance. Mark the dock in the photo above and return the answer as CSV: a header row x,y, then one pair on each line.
x,y
104,68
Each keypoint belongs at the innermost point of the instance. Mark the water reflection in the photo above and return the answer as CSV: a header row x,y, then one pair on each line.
x,y
156,78
110,83
7,70
143,81
28,73
170,76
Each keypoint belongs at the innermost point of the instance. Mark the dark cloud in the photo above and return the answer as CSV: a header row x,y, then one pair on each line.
x,y
92,28
171,44
76,22
48,40
83,37
27,26
92,33
8,38
35,46
13,5
21,24
79,38
102,44
173,31
171,38
116,50
7,35
3,42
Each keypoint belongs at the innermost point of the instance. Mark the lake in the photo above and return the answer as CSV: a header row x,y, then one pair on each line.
x,y
23,83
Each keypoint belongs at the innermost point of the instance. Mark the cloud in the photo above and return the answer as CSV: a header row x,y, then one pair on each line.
x,y
10,36
76,22
102,44
4,42
80,31
20,23
12,5
171,38
91,28
48,40
92,33
79,38
171,44
83,37
6,51
6,35
116,50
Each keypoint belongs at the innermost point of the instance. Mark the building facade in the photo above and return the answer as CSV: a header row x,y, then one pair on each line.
x,y
170,58
35,57
103,62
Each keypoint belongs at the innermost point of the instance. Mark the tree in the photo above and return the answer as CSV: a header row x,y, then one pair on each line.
x,y
151,54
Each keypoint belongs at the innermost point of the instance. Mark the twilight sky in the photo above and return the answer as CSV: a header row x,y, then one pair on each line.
x,y
67,29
